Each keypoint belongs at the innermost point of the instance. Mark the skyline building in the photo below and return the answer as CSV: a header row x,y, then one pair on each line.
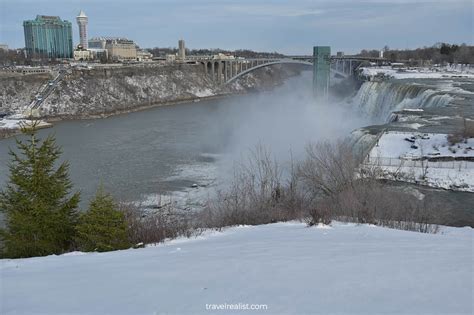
x,y
181,50
48,36
118,48
82,21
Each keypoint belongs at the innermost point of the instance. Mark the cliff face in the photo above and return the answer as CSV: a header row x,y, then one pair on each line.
x,y
106,91
17,91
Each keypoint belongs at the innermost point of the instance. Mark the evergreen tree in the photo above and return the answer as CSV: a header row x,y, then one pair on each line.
x,y
38,210
103,227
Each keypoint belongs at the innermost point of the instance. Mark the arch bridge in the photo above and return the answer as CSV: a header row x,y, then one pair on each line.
x,y
226,70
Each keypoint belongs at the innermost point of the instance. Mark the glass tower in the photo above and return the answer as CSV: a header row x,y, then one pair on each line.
x,y
48,36
321,70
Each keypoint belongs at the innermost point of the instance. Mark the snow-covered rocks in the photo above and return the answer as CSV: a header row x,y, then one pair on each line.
x,y
7,124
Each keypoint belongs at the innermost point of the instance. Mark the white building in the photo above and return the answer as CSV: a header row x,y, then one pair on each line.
x,y
143,55
81,54
82,21
117,48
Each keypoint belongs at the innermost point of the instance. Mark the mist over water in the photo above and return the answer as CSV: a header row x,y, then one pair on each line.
x,y
165,150
283,121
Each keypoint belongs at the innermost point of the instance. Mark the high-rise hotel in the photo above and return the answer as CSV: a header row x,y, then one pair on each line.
x,y
48,36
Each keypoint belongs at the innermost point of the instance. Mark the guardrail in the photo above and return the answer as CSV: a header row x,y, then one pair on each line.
x,y
396,162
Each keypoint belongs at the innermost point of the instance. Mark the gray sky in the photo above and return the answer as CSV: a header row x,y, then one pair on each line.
x,y
288,26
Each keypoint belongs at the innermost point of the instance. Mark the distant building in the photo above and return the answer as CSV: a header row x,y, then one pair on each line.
x,y
181,50
340,54
170,58
82,54
120,49
97,43
143,55
381,54
3,47
222,56
82,21
48,36
98,53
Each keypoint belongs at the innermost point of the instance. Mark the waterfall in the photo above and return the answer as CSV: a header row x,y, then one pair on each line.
x,y
379,99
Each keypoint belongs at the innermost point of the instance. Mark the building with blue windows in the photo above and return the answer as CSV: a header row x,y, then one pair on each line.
x,y
48,37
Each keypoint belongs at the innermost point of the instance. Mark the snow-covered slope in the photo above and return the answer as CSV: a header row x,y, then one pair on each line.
x,y
292,269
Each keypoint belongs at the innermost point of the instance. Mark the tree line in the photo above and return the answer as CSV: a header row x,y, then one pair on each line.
x,y
440,53
244,53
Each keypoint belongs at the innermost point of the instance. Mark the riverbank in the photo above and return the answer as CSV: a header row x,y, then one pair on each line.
x,y
47,122
12,127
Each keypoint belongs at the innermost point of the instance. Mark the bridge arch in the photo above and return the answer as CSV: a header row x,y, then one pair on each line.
x,y
277,62
258,66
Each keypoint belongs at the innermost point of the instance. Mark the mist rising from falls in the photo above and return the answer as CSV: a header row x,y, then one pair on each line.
x,y
379,99
287,118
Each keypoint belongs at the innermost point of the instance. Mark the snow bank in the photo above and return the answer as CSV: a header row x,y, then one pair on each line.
x,y
292,269
15,124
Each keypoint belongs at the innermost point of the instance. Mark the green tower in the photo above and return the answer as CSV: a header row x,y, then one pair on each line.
x,y
321,70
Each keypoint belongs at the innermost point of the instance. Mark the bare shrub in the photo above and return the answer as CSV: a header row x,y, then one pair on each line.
x,y
466,132
411,214
455,138
258,194
468,128
320,213
328,168
148,227
339,188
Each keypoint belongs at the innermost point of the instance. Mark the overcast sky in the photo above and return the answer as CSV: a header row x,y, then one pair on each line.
x,y
288,26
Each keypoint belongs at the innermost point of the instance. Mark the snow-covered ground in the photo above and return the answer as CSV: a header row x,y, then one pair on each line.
x,y
286,268
408,145
419,73
14,124
397,153
202,92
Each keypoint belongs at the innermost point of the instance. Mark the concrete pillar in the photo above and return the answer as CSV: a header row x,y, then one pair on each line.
x,y
231,69
213,70
343,66
219,71
225,65
350,67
